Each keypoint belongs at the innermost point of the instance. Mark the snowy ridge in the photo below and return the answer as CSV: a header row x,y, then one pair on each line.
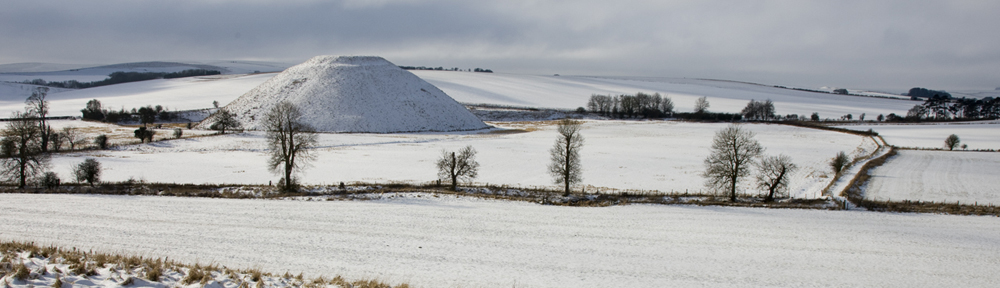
x,y
355,94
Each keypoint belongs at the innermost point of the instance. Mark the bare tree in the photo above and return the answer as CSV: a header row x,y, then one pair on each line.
x,y
772,174
701,105
461,166
667,105
288,142
21,150
951,142
733,151
39,107
839,162
565,155
225,120
88,171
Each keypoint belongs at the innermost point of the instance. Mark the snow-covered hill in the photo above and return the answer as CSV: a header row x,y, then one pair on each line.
x,y
356,94
570,92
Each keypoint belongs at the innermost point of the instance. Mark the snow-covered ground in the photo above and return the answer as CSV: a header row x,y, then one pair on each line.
x,y
175,94
14,95
443,241
117,135
978,135
570,92
649,155
938,176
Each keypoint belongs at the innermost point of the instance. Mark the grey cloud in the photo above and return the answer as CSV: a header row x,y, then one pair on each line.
x,y
862,44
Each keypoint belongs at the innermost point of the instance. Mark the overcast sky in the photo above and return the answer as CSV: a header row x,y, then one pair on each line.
x,y
855,44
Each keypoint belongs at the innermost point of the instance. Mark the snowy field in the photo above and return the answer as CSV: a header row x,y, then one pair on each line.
x,y
978,135
570,92
447,242
938,176
175,94
117,135
648,155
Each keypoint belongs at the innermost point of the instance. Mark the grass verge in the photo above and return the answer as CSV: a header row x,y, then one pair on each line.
x,y
30,265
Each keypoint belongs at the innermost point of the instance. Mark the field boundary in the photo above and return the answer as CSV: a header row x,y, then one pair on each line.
x,y
372,191
855,194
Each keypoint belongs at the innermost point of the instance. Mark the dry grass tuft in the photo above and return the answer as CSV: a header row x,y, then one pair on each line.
x,y
83,264
128,281
59,282
21,272
153,273
370,284
194,275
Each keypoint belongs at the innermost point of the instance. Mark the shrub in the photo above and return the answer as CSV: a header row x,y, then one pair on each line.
x,y
178,132
839,162
89,170
50,180
101,141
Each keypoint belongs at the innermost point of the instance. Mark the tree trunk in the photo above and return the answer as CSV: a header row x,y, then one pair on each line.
x,y
454,174
566,171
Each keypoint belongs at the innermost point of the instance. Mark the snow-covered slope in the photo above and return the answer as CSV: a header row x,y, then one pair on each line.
x,y
29,67
444,241
29,71
937,176
979,135
16,93
570,92
355,94
175,94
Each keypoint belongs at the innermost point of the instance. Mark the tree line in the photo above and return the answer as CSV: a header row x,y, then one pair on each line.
x,y
123,77
439,68
144,115
945,108
631,106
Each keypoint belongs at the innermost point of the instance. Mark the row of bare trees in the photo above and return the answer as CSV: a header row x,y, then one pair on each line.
x,y
631,106
735,155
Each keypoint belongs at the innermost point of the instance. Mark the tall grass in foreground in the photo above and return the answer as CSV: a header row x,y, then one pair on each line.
x,y
31,265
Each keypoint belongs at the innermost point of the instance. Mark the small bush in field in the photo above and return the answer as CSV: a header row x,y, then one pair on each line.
x,y
178,132
50,180
839,162
101,141
89,170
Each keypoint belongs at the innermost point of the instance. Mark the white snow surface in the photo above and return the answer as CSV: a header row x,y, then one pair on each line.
x,y
666,156
570,92
14,95
176,94
937,176
443,241
355,94
977,135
